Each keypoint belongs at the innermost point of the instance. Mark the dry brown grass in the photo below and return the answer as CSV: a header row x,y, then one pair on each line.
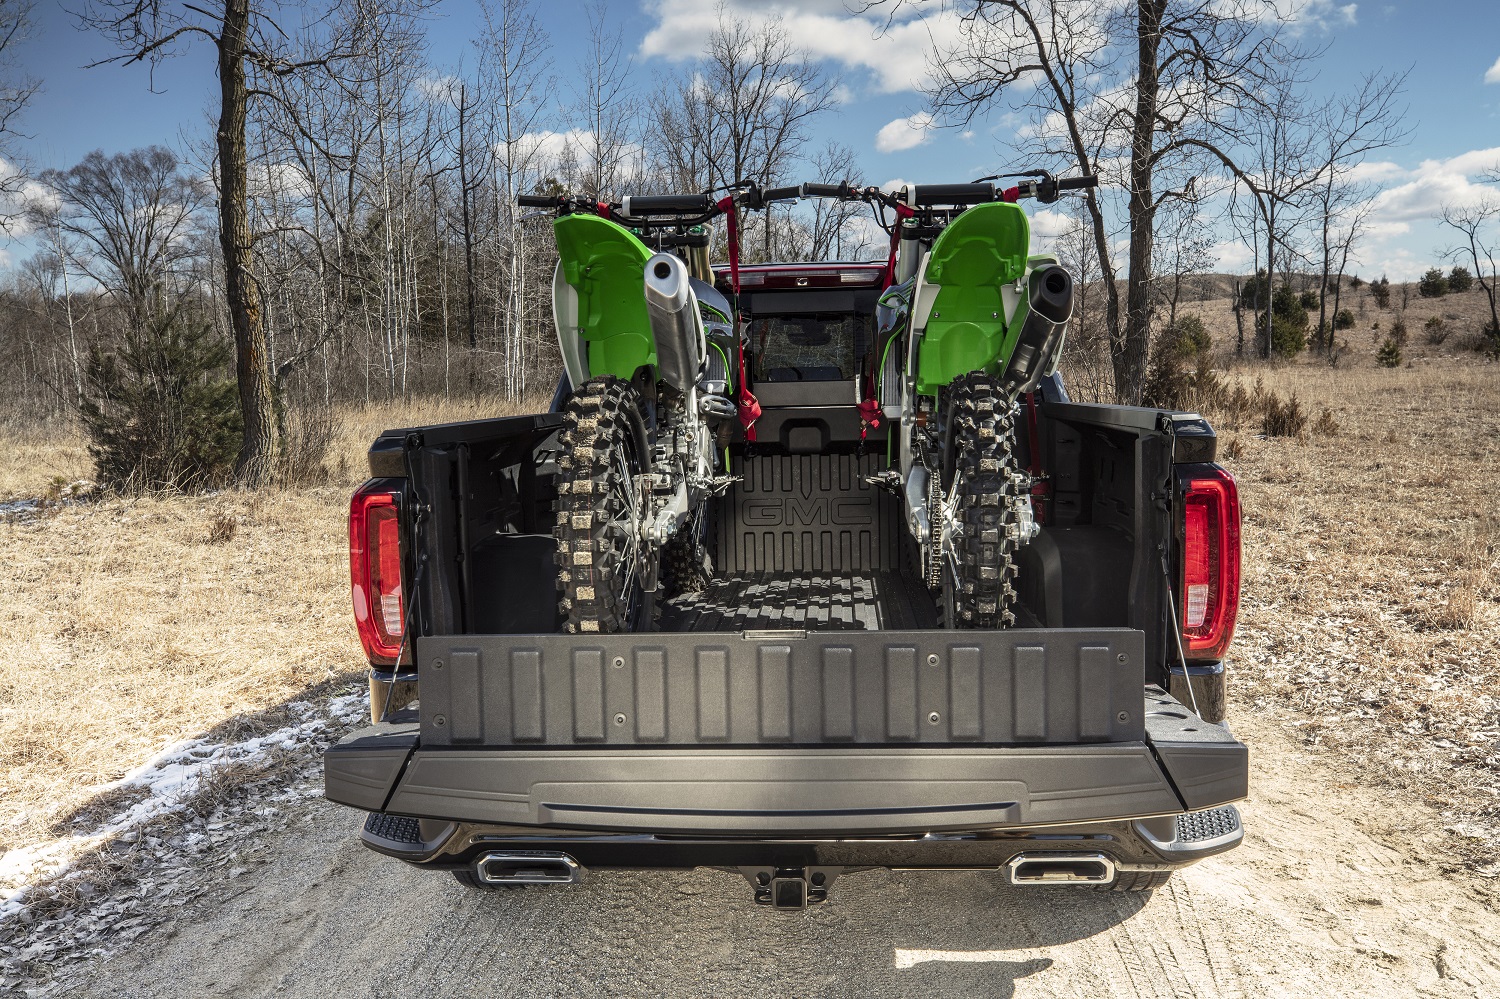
x,y
1371,581
131,623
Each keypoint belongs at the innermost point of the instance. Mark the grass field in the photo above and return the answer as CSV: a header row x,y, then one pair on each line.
x,y
132,623
1370,622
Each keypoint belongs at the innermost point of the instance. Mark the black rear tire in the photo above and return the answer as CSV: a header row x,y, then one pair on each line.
x,y
603,449
979,466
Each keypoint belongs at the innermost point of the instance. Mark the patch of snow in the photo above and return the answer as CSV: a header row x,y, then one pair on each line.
x,y
164,785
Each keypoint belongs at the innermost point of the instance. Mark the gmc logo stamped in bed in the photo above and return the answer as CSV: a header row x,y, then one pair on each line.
x,y
814,511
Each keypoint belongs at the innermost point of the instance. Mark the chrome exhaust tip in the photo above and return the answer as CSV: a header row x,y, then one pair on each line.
x,y
528,867
1041,869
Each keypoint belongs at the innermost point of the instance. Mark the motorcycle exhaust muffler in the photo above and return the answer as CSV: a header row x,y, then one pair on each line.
x,y
681,344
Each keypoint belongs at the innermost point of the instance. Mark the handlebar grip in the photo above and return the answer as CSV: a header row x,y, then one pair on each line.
x,y
536,201
953,194
781,193
666,204
824,190
1077,183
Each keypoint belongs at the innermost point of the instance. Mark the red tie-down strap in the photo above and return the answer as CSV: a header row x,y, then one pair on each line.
x,y
748,405
745,401
902,212
1011,194
869,415
731,218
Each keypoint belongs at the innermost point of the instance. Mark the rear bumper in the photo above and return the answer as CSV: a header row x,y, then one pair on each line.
x,y
1162,843
820,792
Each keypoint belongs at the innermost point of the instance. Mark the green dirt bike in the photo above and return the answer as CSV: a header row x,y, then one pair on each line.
x,y
651,350
968,325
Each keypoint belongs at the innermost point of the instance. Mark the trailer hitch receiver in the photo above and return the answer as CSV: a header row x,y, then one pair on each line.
x,y
790,889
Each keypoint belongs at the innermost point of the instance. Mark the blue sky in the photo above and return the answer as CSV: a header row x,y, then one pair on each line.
x,y
1450,47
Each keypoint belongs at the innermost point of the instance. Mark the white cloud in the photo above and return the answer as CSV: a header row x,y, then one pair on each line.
x,y
890,45
439,88
1435,183
1492,75
1314,15
1049,224
1233,256
905,133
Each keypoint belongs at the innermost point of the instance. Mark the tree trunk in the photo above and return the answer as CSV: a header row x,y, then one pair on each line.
x,y
1131,350
242,295
471,305
1239,323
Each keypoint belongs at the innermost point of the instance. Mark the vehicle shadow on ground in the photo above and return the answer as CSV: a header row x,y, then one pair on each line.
x,y
880,933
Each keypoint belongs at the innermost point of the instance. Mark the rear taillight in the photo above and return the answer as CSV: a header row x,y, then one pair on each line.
x,y
1210,564
375,573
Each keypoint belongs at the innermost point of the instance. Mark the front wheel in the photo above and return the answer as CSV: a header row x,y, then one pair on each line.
x,y
977,520
600,507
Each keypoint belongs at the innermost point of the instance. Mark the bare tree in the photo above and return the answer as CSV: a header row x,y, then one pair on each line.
x,y
1476,224
516,66
1186,246
248,44
1153,85
16,92
742,112
829,231
133,215
606,149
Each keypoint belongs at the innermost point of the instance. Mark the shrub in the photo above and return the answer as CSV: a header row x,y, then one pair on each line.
x,y
1309,300
1289,321
1389,355
1256,292
1344,320
1433,284
1460,280
1382,291
163,412
308,434
1437,330
1491,333
1188,337
1398,330
1287,338
1283,419
1356,281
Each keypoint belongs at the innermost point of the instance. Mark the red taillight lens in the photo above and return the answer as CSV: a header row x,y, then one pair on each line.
x,y
375,573
1210,565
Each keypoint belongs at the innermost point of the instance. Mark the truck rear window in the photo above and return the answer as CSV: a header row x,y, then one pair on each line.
x,y
809,347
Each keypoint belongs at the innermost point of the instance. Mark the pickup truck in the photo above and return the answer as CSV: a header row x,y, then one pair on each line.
x,y
792,698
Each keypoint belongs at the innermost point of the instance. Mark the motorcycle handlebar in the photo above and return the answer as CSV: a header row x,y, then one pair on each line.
x,y
952,194
536,201
812,190
666,204
1077,183
781,193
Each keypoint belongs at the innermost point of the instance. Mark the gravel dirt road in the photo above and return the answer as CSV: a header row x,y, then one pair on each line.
x,y
1312,905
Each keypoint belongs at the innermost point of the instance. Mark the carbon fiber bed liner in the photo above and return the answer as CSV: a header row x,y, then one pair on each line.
x,y
808,514
804,542
872,601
